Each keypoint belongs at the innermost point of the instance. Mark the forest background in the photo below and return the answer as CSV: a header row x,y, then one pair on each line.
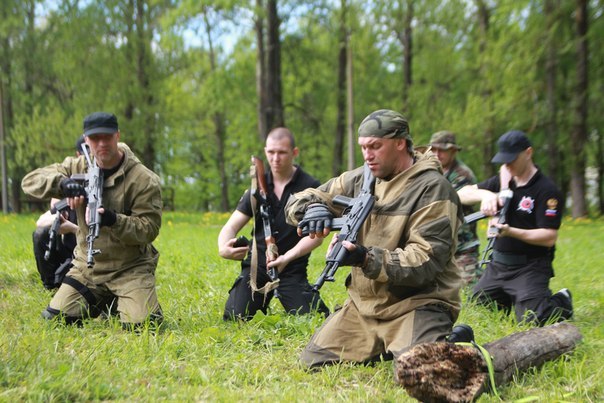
x,y
197,84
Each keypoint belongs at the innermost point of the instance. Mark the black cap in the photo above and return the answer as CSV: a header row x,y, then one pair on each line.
x,y
100,122
510,145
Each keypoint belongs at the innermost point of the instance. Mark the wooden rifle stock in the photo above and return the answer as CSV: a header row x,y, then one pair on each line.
x,y
272,252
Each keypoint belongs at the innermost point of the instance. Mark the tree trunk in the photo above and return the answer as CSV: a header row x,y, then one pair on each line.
x,y
600,160
489,138
435,372
350,106
273,77
261,73
3,165
129,21
219,126
5,71
551,64
143,67
338,147
579,131
406,39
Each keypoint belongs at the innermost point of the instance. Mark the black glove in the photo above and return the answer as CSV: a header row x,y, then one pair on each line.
x,y
108,218
71,188
316,218
356,257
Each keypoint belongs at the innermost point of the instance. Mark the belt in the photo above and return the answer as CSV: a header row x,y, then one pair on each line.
x,y
509,259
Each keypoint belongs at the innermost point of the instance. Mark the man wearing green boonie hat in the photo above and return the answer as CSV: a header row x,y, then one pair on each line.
x,y
403,287
444,144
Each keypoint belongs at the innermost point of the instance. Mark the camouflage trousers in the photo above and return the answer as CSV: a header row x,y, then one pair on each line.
x,y
468,263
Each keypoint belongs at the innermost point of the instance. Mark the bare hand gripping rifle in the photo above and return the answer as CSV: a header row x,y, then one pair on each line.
x,y
58,210
355,213
272,252
94,191
493,231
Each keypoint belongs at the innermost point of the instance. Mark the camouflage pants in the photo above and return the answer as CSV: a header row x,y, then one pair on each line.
x,y
468,263
134,292
347,335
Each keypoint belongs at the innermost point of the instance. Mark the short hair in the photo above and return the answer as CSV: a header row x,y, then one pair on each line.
x,y
280,133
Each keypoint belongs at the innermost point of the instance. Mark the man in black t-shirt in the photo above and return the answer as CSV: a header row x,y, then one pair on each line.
x,y
521,264
54,264
295,293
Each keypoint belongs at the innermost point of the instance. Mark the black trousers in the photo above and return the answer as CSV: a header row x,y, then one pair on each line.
x,y
295,294
525,288
54,269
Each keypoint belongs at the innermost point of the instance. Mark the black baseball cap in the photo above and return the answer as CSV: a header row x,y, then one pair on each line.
x,y
510,145
100,122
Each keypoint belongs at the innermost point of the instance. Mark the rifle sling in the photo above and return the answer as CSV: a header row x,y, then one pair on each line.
x,y
271,285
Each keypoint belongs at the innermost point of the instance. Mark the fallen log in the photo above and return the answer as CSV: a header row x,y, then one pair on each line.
x,y
447,372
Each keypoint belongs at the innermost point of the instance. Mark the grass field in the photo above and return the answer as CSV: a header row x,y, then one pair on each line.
x,y
197,357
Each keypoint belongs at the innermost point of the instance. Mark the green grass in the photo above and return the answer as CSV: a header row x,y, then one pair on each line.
x,y
198,357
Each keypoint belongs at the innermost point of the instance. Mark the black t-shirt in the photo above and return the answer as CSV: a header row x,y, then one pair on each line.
x,y
538,204
286,236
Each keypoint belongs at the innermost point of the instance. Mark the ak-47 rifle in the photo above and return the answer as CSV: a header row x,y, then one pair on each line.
x,y
355,213
493,231
477,216
272,252
58,210
94,191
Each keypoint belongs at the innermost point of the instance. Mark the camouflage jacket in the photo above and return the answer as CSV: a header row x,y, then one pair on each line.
x,y
410,235
133,192
460,175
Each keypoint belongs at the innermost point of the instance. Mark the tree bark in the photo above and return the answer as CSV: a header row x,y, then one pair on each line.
x,y
486,92
219,125
551,64
261,72
5,77
338,147
600,159
579,131
3,165
273,77
350,106
437,372
143,72
406,40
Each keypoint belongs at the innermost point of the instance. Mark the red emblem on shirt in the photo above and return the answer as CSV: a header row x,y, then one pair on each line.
x,y
526,204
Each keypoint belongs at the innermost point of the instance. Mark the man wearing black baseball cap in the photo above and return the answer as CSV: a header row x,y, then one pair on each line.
x,y
130,220
521,263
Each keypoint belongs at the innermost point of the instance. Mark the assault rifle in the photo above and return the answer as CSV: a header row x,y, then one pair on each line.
x,y
272,252
355,213
477,216
493,231
94,191
58,210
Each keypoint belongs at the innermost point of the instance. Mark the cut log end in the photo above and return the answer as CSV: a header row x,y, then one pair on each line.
x,y
441,372
445,372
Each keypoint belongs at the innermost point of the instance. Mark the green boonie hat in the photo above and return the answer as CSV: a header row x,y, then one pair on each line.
x,y
444,140
386,124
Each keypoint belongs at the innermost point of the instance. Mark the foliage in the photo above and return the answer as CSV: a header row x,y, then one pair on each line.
x,y
150,63
197,357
